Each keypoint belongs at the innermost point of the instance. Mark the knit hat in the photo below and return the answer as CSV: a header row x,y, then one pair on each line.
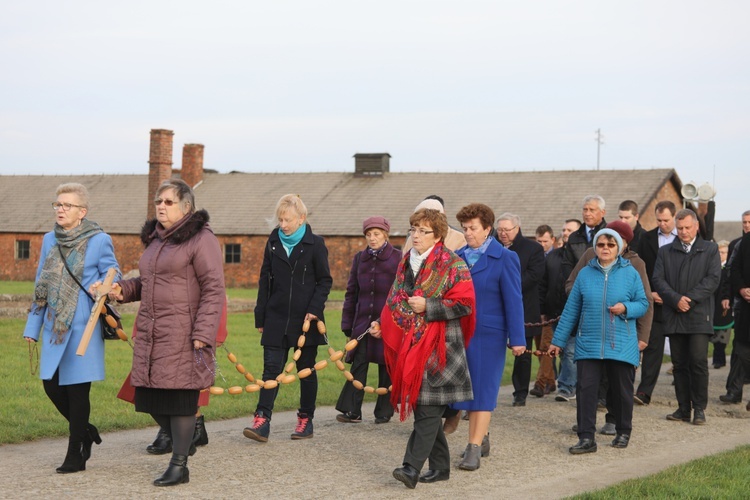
x,y
623,229
431,205
609,232
376,221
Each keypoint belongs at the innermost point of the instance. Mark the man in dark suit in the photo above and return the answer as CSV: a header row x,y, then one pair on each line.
x,y
740,286
663,234
593,220
628,213
531,255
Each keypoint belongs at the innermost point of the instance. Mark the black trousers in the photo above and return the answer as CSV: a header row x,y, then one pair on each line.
x,y
690,360
274,359
621,377
736,377
427,440
653,355
72,401
522,372
350,399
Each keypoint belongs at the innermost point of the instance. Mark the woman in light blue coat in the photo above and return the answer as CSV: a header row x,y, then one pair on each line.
x,y
601,310
60,312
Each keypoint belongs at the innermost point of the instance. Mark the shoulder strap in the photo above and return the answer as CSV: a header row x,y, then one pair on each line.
x,y
65,263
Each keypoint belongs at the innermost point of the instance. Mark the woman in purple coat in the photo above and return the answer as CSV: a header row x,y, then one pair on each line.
x,y
370,279
496,273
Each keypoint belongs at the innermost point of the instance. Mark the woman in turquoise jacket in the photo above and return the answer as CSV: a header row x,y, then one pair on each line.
x,y
606,299
60,312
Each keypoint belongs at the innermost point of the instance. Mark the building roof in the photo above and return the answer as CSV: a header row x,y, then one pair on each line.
x,y
727,230
338,202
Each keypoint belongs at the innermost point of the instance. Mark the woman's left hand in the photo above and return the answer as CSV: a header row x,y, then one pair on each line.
x,y
197,344
418,304
518,350
618,309
641,345
310,317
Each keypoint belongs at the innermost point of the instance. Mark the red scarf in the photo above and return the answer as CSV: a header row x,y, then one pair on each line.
x,y
409,340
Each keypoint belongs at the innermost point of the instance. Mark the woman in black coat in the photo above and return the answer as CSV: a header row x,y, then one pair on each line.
x,y
293,287
370,279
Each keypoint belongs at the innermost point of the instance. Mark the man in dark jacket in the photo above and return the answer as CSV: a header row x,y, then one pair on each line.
x,y
545,375
578,242
628,213
686,275
647,250
531,255
740,286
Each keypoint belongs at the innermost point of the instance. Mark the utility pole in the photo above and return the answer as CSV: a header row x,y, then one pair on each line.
x,y
599,141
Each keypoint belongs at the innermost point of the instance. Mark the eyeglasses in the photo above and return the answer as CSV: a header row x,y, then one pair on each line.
x,y
607,245
168,203
501,230
419,230
64,206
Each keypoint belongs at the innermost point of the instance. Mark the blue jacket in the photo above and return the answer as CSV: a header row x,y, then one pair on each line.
x,y
100,257
599,334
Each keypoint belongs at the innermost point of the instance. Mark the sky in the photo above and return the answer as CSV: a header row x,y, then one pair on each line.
x,y
301,86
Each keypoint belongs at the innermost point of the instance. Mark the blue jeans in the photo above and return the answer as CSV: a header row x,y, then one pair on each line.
x,y
568,377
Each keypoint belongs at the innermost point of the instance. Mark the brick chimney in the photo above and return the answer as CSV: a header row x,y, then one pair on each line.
x,y
159,164
192,164
371,164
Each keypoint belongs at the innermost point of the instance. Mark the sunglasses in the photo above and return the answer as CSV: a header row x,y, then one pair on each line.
x,y
606,245
168,203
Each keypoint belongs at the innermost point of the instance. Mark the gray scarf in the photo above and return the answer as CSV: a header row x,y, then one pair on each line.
x,y
55,287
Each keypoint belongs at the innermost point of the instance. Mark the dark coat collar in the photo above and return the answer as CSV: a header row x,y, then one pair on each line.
x,y
384,255
190,228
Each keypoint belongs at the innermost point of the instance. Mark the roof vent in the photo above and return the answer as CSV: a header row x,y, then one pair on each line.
x,y
371,164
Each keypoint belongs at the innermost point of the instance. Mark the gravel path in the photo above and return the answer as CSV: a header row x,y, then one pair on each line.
x,y
529,457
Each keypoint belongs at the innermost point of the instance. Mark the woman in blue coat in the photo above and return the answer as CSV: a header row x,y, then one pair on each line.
x,y
601,310
496,273
60,312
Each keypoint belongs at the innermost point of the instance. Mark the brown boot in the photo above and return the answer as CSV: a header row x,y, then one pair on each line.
x,y
451,423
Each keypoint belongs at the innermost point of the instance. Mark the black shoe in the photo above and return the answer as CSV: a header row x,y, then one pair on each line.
x,y
608,429
349,418
92,436
382,420
699,417
679,416
471,459
200,437
519,401
176,473
433,476
304,429
641,398
407,475
719,365
161,445
730,398
621,441
537,391
583,446
260,429
485,446
74,460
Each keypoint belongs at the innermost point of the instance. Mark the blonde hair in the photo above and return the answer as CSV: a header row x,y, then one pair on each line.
x,y
76,189
291,202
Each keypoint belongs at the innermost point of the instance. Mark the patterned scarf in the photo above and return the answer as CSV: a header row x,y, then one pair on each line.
x,y
55,287
409,340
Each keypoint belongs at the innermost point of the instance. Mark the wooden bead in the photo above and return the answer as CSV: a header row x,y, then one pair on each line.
x,y
381,391
111,321
289,367
252,388
260,383
321,328
304,373
321,364
217,391
240,368
348,375
279,377
369,390
358,385
351,345
121,334
331,352
232,358
306,325
337,355
288,379
235,390
301,341
340,365
270,384
249,377
297,354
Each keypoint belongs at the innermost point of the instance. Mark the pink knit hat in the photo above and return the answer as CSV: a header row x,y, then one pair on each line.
x,y
376,221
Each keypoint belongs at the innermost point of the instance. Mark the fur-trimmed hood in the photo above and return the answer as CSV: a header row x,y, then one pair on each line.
x,y
189,228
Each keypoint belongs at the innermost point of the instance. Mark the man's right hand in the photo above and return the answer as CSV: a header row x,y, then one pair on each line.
x,y
657,298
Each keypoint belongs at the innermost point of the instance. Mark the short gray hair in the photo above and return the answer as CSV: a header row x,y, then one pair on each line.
x,y
746,213
513,218
685,213
183,192
594,197
76,189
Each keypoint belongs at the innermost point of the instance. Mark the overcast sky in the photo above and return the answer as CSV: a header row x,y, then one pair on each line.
x,y
440,85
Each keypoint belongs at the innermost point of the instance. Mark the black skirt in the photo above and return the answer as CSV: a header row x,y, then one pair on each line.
x,y
166,401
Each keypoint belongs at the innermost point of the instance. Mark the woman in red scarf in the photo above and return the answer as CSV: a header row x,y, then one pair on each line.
x,y
427,321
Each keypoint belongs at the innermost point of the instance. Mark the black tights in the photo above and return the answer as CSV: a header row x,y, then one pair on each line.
x,y
72,401
180,428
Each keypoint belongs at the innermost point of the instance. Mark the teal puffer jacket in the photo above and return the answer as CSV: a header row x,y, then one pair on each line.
x,y
599,334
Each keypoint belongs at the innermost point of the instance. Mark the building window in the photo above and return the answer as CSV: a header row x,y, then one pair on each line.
x,y
232,253
23,249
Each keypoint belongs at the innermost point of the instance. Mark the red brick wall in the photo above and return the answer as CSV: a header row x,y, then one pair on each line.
x,y
159,164
19,270
192,164
648,215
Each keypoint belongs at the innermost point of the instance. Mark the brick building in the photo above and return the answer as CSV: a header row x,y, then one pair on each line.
x,y
241,205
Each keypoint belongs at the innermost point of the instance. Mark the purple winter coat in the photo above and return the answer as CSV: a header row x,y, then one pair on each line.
x,y
370,280
181,289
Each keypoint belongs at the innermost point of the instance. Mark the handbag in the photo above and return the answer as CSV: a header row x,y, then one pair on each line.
x,y
110,318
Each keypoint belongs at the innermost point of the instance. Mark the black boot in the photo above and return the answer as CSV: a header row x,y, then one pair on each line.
x,y
200,438
92,436
74,460
162,444
176,473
